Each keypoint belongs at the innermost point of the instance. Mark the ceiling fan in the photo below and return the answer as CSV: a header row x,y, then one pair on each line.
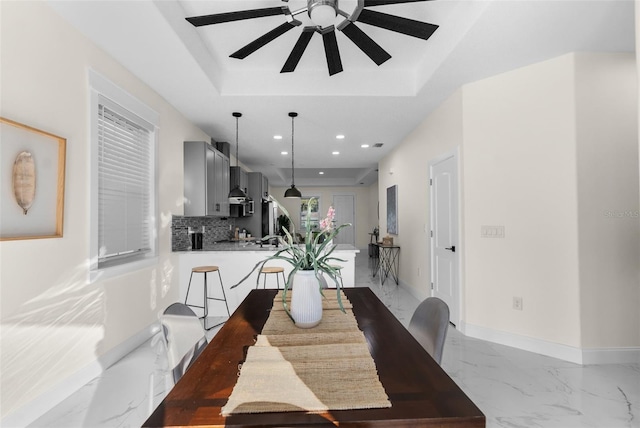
x,y
323,14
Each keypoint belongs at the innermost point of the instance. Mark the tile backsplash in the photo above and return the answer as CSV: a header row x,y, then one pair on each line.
x,y
215,229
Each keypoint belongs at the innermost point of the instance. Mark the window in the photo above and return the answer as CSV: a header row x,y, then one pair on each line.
x,y
123,181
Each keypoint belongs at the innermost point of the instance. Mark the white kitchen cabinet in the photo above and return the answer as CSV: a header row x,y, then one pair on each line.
x,y
206,180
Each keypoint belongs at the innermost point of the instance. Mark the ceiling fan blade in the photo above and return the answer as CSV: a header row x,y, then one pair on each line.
x,y
219,18
370,3
331,51
366,43
297,51
247,50
421,30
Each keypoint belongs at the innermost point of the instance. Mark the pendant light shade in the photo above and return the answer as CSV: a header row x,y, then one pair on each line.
x,y
236,194
292,192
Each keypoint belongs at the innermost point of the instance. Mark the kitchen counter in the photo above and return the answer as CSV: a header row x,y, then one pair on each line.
x,y
253,247
236,260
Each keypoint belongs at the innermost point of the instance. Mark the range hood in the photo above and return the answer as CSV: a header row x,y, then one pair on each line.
x,y
238,200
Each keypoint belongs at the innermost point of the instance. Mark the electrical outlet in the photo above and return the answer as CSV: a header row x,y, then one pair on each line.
x,y
517,303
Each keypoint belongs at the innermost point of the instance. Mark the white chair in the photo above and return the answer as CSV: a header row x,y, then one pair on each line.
x,y
184,337
429,325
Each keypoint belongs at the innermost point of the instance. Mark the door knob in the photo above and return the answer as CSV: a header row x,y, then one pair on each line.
x,y
451,248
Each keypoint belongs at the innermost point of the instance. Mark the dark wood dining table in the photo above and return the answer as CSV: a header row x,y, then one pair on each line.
x,y
421,393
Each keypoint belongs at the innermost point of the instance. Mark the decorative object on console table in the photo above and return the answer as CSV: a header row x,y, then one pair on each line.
x,y
387,240
314,258
33,204
392,209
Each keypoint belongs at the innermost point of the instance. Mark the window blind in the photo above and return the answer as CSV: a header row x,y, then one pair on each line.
x,y
125,175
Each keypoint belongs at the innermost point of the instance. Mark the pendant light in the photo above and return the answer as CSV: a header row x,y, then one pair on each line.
x,y
236,193
292,192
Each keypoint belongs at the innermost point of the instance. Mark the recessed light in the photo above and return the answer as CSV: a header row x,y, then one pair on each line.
x,y
321,173
335,153
284,153
339,137
277,137
365,146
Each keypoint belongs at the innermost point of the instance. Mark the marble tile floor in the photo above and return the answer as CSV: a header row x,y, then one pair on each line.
x,y
513,388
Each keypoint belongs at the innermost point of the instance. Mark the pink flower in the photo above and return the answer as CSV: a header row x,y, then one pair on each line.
x,y
327,222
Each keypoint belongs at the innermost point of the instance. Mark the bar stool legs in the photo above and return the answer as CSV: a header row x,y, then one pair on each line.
x,y
205,270
271,270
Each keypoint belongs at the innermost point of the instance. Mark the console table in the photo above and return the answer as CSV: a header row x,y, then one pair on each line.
x,y
387,263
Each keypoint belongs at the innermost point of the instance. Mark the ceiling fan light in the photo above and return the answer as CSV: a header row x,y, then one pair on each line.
x,y
323,12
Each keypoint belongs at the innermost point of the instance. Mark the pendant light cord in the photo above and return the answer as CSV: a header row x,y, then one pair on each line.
x,y
237,164
237,180
293,180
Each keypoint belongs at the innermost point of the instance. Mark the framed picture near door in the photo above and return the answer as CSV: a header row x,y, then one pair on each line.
x,y
392,209
31,183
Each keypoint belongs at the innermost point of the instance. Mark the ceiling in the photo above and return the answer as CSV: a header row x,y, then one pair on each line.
x,y
368,104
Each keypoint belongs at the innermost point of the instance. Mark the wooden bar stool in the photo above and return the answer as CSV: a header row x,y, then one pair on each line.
x,y
205,270
267,270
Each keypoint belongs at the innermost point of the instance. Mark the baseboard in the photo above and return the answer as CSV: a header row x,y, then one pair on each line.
x,y
555,350
46,401
412,291
611,356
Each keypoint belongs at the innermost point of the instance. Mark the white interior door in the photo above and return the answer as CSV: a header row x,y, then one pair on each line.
x,y
445,249
345,207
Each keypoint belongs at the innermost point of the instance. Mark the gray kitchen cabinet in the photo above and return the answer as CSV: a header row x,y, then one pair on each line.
x,y
241,177
206,180
221,208
265,187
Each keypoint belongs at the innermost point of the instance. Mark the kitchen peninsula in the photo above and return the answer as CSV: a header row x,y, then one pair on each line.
x,y
235,260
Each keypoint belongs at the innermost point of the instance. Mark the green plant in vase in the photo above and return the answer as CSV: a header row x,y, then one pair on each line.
x,y
314,256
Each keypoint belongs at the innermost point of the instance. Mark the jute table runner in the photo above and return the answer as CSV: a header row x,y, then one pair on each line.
x,y
324,368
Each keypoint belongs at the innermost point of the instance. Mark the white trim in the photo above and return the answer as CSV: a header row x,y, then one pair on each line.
x,y
123,269
46,401
101,87
611,356
411,290
555,350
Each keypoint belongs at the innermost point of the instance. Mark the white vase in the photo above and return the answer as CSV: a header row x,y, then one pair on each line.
x,y
306,300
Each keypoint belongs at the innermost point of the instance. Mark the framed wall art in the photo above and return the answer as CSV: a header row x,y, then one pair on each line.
x,y
32,173
392,209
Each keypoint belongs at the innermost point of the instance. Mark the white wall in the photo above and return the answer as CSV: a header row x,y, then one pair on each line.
x,y
608,206
408,168
362,196
530,139
55,324
520,173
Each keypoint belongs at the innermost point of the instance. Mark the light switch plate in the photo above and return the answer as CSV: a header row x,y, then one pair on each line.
x,y
492,231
